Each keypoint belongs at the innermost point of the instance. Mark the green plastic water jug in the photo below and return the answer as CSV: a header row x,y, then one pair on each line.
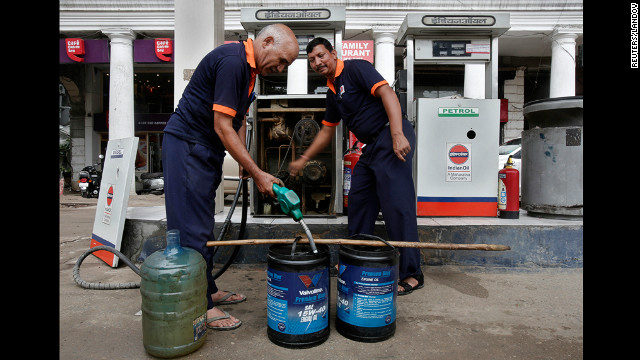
x,y
174,305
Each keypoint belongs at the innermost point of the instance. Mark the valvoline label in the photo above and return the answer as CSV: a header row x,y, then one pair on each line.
x,y
366,296
298,303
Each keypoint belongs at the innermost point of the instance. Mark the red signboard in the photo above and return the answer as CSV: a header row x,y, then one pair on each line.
x,y
164,47
504,110
74,48
357,49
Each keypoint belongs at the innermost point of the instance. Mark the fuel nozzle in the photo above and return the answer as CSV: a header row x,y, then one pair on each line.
x,y
290,205
289,202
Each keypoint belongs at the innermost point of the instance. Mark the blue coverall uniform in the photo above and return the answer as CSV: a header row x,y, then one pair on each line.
x,y
380,181
192,152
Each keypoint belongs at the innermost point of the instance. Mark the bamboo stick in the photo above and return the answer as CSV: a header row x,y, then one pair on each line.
x,y
421,245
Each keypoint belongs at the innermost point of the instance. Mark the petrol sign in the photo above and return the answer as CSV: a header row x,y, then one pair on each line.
x,y
458,112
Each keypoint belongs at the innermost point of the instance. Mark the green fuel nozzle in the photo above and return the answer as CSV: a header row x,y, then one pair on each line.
x,y
289,201
290,205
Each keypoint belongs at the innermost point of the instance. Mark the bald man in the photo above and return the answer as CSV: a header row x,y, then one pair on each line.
x,y
210,118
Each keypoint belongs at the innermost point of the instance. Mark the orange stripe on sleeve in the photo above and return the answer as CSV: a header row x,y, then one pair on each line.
x,y
224,109
377,85
324,122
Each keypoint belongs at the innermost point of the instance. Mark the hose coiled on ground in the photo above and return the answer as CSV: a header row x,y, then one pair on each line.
x,y
242,185
105,286
134,285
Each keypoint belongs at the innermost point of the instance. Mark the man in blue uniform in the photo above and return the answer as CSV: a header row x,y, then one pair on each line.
x,y
210,118
382,178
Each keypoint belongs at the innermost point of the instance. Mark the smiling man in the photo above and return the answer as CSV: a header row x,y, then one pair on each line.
x,y
382,179
209,119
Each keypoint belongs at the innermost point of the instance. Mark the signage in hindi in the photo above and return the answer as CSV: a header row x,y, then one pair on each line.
x,y
293,14
459,20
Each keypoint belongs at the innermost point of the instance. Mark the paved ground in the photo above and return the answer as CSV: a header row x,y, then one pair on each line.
x,y
462,312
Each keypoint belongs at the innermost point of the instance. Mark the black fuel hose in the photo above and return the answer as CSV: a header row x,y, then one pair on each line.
x,y
367,236
104,286
245,205
243,225
134,285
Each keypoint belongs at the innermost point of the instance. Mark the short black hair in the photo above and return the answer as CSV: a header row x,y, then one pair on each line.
x,y
319,41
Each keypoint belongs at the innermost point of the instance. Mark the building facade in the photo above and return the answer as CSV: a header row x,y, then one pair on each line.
x,y
123,64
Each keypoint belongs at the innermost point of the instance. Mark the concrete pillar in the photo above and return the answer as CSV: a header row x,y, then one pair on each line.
x,y
120,118
91,106
563,63
297,77
384,50
474,81
121,123
199,28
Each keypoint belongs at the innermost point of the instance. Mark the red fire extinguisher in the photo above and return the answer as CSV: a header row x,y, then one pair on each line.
x,y
509,191
350,159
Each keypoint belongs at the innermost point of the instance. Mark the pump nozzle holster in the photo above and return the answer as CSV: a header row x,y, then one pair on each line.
x,y
289,201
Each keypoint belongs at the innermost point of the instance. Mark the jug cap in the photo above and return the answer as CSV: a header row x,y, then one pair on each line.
x,y
173,243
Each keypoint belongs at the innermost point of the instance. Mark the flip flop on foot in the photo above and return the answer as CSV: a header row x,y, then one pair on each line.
x,y
221,322
408,288
223,300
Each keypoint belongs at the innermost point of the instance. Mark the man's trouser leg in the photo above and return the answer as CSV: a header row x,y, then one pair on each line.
x,y
192,173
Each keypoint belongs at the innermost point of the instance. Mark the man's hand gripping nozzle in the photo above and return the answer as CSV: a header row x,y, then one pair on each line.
x,y
290,205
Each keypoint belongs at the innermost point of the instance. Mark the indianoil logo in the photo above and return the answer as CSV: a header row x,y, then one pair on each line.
x,y
458,154
110,195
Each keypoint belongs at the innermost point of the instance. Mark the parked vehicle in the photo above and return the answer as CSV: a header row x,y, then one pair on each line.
x,y
511,148
231,178
150,183
89,179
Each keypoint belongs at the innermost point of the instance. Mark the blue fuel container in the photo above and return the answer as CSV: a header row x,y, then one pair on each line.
x,y
298,295
367,291
173,288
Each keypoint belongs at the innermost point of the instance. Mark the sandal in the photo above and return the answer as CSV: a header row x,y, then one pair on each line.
x,y
223,300
222,328
408,289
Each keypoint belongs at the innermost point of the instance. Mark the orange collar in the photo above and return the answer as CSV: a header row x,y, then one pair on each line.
x,y
339,68
248,48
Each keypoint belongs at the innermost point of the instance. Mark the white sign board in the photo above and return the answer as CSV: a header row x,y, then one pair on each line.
x,y
458,162
117,176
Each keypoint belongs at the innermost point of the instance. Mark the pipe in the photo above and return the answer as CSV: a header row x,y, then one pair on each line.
x,y
104,286
132,285
243,224
309,237
245,205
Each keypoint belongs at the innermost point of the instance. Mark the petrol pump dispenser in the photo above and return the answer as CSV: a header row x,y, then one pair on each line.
x,y
457,137
288,110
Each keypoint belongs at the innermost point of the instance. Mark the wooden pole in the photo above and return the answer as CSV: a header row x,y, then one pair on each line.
x,y
421,245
